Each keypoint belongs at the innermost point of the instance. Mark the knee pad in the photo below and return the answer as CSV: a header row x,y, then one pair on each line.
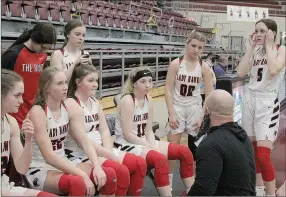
x,y
160,163
110,186
257,164
135,163
267,170
45,194
122,173
73,185
185,156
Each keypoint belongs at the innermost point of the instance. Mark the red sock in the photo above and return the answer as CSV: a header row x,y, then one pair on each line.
x,y
137,167
45,194
73,185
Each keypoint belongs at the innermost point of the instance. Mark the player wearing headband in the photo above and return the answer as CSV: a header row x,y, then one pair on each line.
x,y
133,129
82,88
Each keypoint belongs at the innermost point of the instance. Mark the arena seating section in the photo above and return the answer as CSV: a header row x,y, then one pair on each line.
x,y
134,18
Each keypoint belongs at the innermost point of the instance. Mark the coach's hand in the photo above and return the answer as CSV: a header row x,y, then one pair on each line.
x,y
99,177
173,121
27,128
90,190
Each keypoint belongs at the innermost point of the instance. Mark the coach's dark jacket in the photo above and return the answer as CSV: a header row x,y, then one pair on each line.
x,y
225,163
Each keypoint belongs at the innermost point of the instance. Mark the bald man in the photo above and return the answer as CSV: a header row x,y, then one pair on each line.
x,y
225,158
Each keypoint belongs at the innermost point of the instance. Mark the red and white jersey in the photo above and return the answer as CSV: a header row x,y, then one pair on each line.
x,y
187,84
140,118
91,120
5,143
68,59
261,82
57,130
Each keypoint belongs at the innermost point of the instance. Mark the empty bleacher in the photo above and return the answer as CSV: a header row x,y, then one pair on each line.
x,y
119,36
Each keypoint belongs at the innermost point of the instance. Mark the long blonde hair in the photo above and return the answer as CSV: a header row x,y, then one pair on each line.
x,y
129,85
45,80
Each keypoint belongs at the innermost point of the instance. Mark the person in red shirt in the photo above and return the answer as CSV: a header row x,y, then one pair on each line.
x,y
26,56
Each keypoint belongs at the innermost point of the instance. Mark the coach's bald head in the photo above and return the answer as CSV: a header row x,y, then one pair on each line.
x,y
220,106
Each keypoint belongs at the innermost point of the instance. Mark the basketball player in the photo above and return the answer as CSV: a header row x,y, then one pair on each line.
x,y
12,89
133,129
26,56
260,116
182,92
82,87
54,118
71,52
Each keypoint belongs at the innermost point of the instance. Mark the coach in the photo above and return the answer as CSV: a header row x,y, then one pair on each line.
x,y
225,159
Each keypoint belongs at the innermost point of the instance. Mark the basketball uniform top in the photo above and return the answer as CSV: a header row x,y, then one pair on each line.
x,y
261,82
57,131
91,121
187,84
140,118
28,64
68,59
5,144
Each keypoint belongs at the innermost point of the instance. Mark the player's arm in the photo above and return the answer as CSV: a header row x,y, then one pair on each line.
x,y
21,156
148,130
39,119
275,63
104,130
207,78
76,130
57,59
126,106
169,84
8,60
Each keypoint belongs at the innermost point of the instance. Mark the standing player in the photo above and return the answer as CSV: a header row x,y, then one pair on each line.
x,y
82,87
12,88
133,129
71,52
260,116
54,117
182,92
26,56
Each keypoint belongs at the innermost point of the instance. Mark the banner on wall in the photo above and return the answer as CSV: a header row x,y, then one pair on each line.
x,y
246,14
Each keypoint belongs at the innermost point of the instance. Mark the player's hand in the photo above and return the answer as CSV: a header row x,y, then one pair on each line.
x,y
28,128
173,121
99,177
83,59
252,40
269,38
90,190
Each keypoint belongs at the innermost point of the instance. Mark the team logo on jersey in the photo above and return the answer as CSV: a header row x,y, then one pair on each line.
x,y
36,182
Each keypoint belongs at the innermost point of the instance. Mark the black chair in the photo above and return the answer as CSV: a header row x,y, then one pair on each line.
x,y
224,83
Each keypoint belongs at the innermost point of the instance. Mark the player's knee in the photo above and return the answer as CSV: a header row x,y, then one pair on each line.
x,y
110,186
186,162
74,185
267,170
141,166
160,163
123,176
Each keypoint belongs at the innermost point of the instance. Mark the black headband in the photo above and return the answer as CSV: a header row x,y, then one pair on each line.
x,y
142,73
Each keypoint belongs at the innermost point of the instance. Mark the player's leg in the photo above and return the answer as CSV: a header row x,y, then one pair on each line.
x,y
174,136
137,167
180,152
56,182
266,130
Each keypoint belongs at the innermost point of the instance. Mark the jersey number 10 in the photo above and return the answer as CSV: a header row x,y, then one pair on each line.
x,y
186,90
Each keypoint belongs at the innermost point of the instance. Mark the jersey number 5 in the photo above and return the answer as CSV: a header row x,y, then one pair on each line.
x,y
141,129
186,90
259,74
